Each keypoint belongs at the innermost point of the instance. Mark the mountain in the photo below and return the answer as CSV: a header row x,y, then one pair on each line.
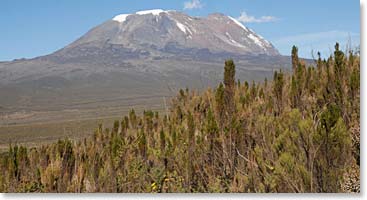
x,y
160,31
136,59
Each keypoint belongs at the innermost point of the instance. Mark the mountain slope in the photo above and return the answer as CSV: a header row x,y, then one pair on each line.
x,y
149,53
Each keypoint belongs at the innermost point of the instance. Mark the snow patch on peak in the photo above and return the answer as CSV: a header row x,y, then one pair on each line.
x,y
120,18
238,23
183,28
153,12
233,42
265,41
256,40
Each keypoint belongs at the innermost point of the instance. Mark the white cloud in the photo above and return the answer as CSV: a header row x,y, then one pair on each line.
x,y
193,4
245,18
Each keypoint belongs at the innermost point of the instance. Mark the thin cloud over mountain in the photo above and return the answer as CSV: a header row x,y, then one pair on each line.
x,y
245,18
194,4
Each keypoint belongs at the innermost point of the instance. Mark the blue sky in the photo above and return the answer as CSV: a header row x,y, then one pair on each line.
x,y
39,27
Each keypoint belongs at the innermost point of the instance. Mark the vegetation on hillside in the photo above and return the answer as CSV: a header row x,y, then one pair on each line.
x,y
297,133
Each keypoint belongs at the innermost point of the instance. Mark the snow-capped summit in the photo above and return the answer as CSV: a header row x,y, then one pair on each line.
x,y
120,18
156,12
159,28
153,12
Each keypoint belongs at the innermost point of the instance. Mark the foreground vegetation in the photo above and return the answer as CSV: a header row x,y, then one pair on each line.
x,y
297,133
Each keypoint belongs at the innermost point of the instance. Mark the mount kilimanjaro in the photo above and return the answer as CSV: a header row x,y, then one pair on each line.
x,y
136,59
